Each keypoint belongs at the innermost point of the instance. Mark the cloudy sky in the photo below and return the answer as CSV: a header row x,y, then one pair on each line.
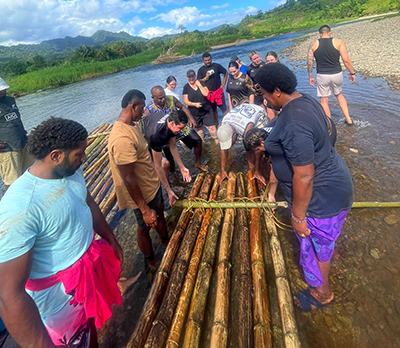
x,y
32,21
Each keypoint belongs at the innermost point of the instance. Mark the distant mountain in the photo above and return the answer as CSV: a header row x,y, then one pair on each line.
x,y
60,48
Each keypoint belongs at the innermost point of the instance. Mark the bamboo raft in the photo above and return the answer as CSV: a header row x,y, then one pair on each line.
x,y
211,288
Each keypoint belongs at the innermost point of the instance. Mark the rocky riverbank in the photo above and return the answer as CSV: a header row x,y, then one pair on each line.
x,y
373,46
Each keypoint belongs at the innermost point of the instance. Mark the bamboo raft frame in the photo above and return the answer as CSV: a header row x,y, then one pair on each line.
x,y
186,308
211,288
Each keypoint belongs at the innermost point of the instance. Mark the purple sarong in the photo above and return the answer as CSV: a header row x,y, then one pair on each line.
x,y
319,245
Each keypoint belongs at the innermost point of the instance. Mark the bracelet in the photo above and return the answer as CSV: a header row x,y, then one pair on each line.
x,y
352,74
299,221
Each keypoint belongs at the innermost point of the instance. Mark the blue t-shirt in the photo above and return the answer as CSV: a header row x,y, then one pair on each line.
x,y
300,137
52,217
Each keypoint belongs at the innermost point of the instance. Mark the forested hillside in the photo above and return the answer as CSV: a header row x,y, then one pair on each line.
x,y
106,52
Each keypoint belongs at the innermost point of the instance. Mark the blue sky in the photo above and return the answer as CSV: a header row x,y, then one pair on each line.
x,y
32,21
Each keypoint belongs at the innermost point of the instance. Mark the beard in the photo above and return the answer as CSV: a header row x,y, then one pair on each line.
x,y
65,168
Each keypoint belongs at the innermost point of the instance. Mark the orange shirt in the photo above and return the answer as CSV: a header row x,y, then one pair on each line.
x,y
127,145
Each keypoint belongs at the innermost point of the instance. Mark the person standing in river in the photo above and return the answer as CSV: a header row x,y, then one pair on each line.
x,y
327,52
210,75
313,176
256,63
14,159
136,181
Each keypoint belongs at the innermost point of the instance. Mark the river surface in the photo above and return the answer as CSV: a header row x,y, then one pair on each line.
x,y
366,276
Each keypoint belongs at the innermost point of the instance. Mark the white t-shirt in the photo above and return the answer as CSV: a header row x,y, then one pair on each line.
x,y
52,217
244,114
173,93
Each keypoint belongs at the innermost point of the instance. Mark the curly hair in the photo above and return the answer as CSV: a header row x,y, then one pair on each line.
x,y
55,133
276,75
254,137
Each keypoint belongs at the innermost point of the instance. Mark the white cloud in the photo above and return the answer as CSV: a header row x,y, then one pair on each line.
x,y
217,7
251,10
31,21
182,16
152,32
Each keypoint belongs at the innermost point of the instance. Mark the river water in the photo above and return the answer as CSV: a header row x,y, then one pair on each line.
x,y
366,276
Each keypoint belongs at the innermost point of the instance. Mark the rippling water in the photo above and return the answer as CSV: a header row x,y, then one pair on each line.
x,y
366,277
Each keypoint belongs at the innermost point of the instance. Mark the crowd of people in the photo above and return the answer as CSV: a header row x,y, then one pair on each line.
x,y
58,282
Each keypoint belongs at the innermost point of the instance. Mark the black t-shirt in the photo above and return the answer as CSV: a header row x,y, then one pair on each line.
x,y
240,89
155,129
300,137
252,71
214,81
195,96
12,130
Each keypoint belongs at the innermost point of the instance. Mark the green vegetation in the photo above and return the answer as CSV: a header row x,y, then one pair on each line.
x,y
87,61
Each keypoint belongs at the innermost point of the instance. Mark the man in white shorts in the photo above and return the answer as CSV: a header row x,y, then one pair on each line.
x,y
327,52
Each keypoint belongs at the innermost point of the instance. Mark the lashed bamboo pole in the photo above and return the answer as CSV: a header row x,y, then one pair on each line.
x,y
152,303
108,201
98,135
96,186
219,330
285,301
94,144
243,337
186,203
187,290
159,331
97,163
104,190
98,172
197,308
262,328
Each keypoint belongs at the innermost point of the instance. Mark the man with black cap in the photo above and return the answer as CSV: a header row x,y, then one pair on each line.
x,y
136,181
14,159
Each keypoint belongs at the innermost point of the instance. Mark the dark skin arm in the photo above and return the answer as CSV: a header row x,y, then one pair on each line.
x,y
302,192
17,309
101,227
129,176
224,156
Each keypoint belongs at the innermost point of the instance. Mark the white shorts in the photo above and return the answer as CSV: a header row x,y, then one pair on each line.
x,y
326,84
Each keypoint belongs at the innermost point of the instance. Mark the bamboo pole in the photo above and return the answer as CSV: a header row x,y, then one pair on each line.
x,y
108,201
186,203
187,290
262,328
159,331
94,144
219,330
98,135
98,172
285,301
97,163
241,313
197,308
100,182
151,305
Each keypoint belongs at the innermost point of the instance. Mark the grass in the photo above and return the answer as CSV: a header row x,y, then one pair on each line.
x,y
66,74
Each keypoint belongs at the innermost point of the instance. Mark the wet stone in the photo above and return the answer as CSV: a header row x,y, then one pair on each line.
x,y
350,308
375,253
392,219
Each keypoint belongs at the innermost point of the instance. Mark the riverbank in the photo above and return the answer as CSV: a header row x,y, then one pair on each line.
x,y
373,48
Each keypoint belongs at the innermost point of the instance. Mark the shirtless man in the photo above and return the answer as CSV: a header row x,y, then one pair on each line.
x,y
327,52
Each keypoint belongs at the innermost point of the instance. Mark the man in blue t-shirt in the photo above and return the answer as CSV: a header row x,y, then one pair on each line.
x,y
47,219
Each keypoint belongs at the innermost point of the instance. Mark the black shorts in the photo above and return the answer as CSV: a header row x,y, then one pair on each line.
x,y
157,204
206,119
190,139
222,107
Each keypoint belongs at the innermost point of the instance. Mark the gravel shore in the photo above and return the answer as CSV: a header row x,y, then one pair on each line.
x,y
373,46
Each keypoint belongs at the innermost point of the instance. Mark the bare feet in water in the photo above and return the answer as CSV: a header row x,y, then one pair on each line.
x,y
202,167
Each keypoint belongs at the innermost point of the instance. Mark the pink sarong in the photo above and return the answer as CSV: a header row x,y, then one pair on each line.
x,y
92,281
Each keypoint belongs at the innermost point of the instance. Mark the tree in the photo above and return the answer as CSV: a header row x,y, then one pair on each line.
x,y
182,28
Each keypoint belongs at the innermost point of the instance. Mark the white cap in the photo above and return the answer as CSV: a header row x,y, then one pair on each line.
x,y
3,85
224,134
